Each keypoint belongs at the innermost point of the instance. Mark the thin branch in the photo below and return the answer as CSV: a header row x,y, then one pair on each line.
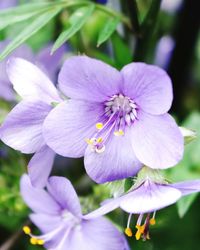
x,y
11,240
133,13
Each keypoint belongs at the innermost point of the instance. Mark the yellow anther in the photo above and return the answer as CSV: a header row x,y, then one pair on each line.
x,y
140,231
99,125
119,132
140,228
89,141
128,232
40,242
100,139
152,221
33,241
138,235
26,230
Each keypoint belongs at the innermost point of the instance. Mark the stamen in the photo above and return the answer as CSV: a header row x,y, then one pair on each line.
x,y
100,139
128,232
89,141
139,221
119,132
152,221
140,231
138,235
33,241
109,103
93,142
140,228
99,125
26,230
40,242
42,239
119,111
129,220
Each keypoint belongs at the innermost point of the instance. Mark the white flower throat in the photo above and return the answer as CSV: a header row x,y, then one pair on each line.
x,y
67,223
120,111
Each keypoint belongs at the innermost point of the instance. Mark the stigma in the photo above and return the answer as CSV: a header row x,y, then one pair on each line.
x,y
142,226
119,112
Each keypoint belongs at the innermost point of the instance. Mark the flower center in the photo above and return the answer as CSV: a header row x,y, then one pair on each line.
x,y
68,222
123,106
69,217
120,111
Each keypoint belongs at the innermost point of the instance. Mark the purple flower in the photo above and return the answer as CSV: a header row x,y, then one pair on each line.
x,y
57,213
6,90
116,119
171,6
4,4
164,51
102,1
146,198
49,64
22,128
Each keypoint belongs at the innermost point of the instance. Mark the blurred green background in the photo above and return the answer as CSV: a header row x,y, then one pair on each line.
x,y
165,33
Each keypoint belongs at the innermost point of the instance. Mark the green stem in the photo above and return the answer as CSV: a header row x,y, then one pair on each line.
x,y
133,13
147,31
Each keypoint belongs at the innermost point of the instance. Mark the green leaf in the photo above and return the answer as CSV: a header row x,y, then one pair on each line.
x,y
76,21
22,13
107,30
15,19
189,167
22,9
188,134
33,27
122,53
128,184
184,204
103,57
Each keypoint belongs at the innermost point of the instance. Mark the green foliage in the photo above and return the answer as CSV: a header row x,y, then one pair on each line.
x,y
128,184
76,22
12,208
189,167
22,13
4,109
33,27
107,30
39,14
122,53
